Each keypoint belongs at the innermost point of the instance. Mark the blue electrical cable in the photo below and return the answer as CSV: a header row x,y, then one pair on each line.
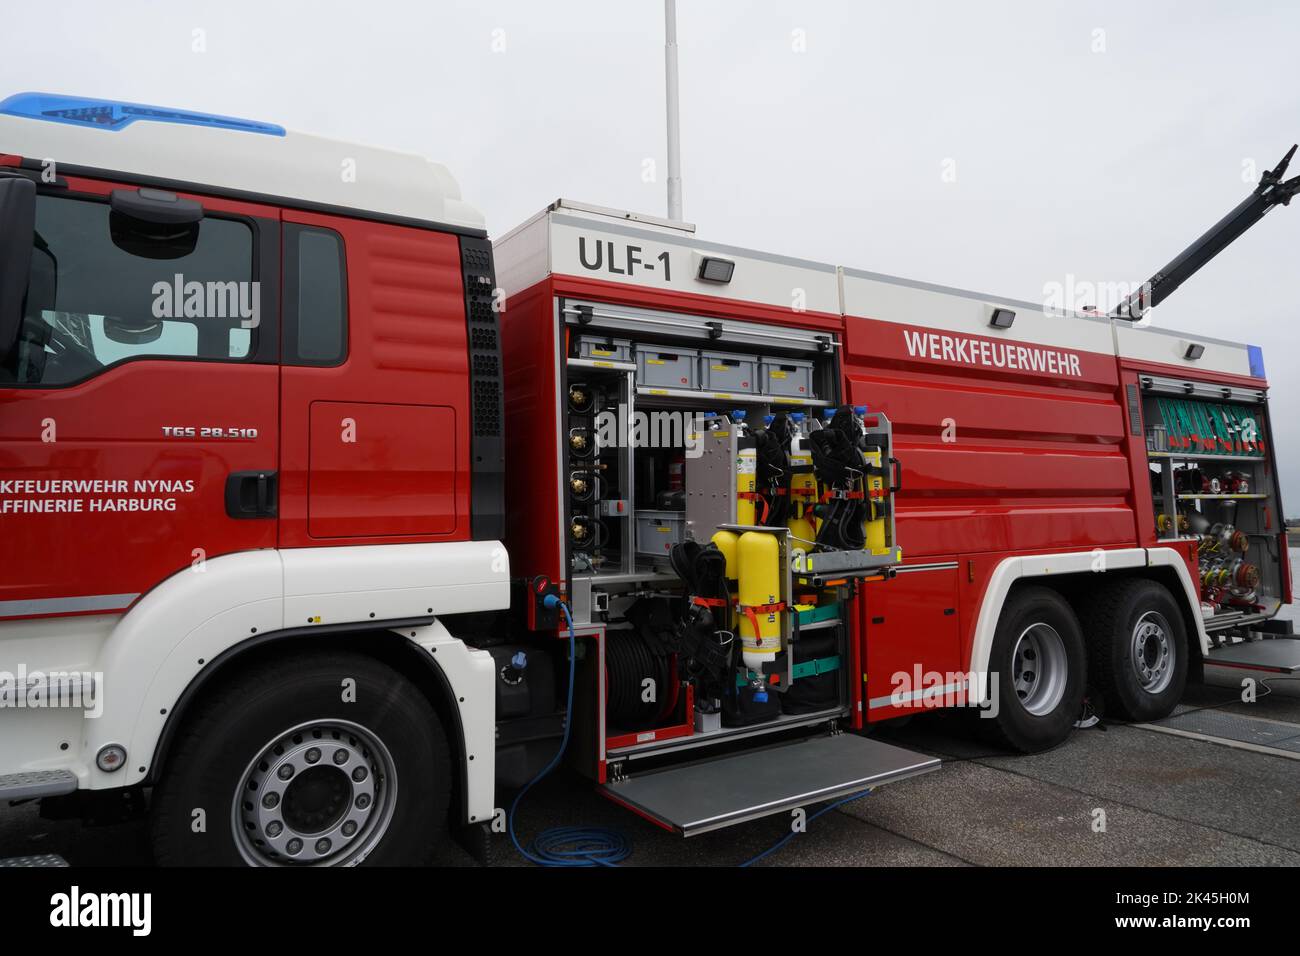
x,y
568,846
599,846
793,833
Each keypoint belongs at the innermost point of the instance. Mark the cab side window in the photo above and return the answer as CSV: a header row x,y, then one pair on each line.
x,y
97,297
315,296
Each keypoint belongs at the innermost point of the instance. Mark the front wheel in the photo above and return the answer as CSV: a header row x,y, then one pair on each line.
x,y
1037,669
313,760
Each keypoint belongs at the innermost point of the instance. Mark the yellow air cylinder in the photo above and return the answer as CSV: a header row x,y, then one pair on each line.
x,y
746,477
875,488
803,488
758,556
726,542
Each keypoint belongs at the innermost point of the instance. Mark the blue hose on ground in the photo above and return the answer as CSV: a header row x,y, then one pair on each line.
x,y
598,846
568,846
793,833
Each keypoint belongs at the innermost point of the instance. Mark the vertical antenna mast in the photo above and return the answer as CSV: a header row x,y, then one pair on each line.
x,y
674,128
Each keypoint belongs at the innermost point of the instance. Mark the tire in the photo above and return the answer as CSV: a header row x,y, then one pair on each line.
x,y
377,765
1038,662
1137,649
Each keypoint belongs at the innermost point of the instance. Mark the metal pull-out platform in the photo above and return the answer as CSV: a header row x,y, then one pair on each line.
x,y
711,794
1280,655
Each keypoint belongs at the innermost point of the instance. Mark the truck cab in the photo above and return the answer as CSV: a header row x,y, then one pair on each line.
x,y
250,424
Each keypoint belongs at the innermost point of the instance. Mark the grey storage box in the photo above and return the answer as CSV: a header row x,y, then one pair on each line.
x,y
728,372
658,531
786,377
605,349
663,366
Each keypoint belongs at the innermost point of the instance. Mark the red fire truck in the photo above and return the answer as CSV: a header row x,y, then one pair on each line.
x,y
326,521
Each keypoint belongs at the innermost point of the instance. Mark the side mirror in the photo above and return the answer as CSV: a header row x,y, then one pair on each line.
x,y
132,331
154,224
17,233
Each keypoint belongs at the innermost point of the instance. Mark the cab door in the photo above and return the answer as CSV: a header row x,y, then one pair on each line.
x,y
139,408
375,388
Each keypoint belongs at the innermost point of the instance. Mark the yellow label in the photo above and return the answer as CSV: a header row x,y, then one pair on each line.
x,y
655,362
778,374
662,530
722,395
658,391
603,364
719,368
601,352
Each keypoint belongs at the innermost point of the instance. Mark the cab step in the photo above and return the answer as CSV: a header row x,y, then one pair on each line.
x,y
41,859
1275,655
29,784
708,795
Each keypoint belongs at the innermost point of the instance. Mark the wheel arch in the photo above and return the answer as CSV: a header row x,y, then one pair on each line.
x,y
1073,575
404,645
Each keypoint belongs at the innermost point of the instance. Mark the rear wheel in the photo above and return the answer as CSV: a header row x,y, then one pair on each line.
x,y
1037,668
314,760
1138,651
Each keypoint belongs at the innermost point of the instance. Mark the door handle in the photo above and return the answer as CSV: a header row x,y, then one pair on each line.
x,y
252,494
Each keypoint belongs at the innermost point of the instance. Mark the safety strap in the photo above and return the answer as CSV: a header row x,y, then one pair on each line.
x,y
832,495
820,665
708,602
752,611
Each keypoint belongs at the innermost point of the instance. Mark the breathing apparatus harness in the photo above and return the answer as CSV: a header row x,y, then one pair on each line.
x,y
839,464
706,637
772,472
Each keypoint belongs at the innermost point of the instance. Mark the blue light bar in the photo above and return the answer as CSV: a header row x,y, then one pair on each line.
x,y
113,116
1256,356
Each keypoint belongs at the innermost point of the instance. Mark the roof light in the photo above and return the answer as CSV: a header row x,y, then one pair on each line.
x,y
1002,318
112,115
713,269
1256,357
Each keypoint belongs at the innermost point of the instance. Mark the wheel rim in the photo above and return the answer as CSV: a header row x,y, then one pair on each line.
x,y
1039,668
319,794
1153,652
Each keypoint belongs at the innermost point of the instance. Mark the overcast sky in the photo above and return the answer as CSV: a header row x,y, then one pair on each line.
x,y
1089,139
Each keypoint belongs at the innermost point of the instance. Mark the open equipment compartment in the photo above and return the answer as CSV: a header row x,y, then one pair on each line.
x,y
677,510
1213,480
651,461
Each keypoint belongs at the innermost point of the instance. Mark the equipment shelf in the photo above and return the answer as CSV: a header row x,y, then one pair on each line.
x,y
736,398
1221,497
1204,456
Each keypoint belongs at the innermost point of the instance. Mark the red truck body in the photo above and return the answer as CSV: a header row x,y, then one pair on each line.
x,y
378,465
